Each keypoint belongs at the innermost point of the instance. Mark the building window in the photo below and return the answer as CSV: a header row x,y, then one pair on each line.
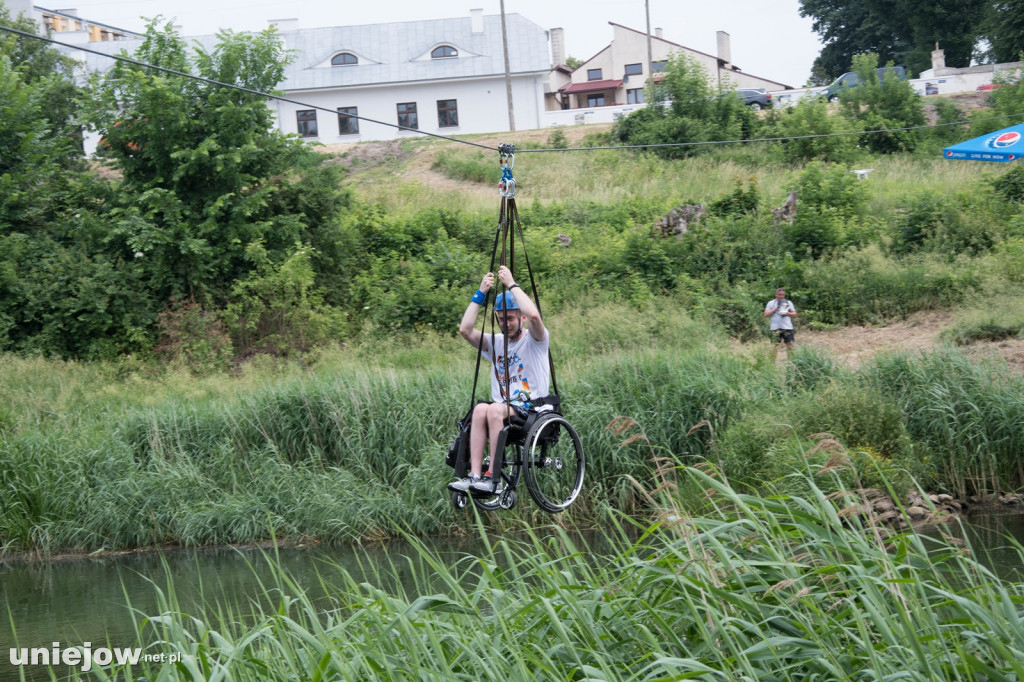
x,y
635,96
444,52
595,100
407,116
594,74
344,59
447,113
306,119
346,124
659,66
634,69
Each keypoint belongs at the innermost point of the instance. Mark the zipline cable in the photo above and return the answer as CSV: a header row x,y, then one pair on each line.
x,y
333,112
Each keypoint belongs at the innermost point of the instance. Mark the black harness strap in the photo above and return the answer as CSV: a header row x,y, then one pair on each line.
x,y
533,290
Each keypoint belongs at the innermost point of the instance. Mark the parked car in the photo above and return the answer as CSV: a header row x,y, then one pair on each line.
x,y
850,79
993,86
755,98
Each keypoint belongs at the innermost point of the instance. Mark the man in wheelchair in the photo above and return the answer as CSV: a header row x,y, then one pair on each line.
x,y
522,347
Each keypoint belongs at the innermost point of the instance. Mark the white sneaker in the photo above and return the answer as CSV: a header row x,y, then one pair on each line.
x,y
462,485
484,485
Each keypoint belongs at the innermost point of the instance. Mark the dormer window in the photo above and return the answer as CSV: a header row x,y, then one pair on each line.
x,y
443,52
344,59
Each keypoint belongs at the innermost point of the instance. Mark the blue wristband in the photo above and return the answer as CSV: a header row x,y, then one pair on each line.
x,y
479,297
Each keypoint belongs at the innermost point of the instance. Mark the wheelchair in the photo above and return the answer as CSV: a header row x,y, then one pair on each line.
x,y
544,449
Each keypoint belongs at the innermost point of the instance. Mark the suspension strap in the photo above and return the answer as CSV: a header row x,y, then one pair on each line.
x,y
533,290
487,303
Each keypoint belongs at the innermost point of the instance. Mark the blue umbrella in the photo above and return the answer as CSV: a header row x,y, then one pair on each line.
x,y
1002,145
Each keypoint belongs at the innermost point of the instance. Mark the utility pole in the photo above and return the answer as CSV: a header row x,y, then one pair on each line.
x,y
508,72
650,58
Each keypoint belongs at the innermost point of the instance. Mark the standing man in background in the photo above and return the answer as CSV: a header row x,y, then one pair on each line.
x,y
782,312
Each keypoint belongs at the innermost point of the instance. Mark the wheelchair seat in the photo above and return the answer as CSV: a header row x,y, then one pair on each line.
x,y
518,427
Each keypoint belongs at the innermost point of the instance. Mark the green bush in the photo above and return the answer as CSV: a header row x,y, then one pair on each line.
x,y
278,309
557,139
990,319
469,165
814,133
694,114
1010,185
741,201
831,186
866,286
889,105
946,114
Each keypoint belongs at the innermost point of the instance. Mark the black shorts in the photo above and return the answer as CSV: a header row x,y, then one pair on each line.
x,y
783,335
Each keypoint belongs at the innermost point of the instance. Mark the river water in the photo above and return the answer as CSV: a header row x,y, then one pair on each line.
x,y
87,600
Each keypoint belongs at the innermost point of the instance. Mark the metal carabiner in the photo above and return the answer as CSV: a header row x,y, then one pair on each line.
x,y
507,185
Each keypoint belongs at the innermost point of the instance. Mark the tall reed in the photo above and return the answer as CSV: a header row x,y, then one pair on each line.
x,y
782,588
354,448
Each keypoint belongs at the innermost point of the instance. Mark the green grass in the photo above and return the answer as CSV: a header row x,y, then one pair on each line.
x,y
352,446
989,319
781,588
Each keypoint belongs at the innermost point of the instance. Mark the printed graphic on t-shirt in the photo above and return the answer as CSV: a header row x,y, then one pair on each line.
x,y
520,383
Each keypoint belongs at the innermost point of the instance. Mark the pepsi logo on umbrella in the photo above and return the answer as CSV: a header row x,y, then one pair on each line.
x,y
1005,140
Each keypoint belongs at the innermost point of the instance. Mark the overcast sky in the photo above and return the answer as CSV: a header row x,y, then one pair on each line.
x,y
769,37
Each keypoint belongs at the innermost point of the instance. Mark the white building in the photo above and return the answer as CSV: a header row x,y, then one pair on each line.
x,y
444,76
618,73
613,82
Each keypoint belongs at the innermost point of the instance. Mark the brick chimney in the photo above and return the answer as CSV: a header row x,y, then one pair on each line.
x,y
724,48
557,46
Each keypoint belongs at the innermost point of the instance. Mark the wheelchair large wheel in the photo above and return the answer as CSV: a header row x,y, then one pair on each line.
x,y
554,463
511,470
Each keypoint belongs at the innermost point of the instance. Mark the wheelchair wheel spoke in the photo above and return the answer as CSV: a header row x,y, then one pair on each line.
x,y
554,464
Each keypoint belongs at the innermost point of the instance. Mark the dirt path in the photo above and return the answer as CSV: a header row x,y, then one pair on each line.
x,y
418,164
920,332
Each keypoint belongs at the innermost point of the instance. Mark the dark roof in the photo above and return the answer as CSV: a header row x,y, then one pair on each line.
x,y
591,86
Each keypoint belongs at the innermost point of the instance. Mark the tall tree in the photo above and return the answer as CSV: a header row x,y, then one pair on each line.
x,y
1003,29
849,27
902,31
47,72
205,171
953,25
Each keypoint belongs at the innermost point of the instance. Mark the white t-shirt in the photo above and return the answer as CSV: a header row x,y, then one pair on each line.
x,y
781,321
527,366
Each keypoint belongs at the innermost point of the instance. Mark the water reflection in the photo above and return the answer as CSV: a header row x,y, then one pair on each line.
x,y
992,532
87,599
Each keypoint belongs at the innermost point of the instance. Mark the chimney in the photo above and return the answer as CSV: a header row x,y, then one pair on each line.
x,y
659,33
23,8
724,49
476,20
938,58
557,46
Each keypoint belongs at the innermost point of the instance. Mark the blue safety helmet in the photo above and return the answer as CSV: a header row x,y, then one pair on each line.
x,y
499,302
